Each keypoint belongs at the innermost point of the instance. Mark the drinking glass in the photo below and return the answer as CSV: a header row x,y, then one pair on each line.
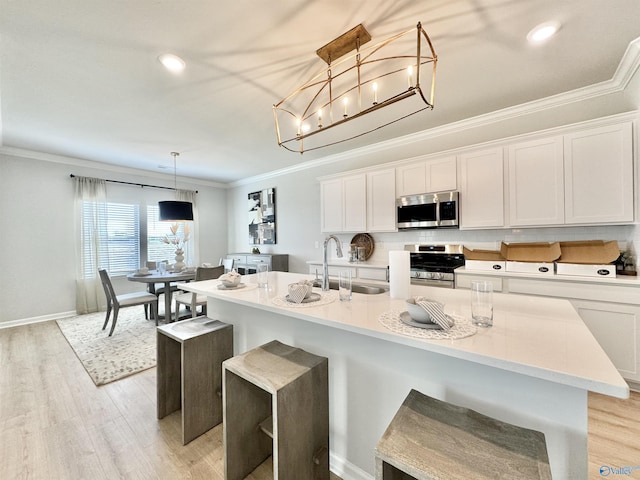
x,y
482,304
344,285
263,275
162,268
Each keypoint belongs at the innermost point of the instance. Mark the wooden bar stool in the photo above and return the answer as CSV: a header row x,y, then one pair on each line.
x,y
276,402
431,439
189,371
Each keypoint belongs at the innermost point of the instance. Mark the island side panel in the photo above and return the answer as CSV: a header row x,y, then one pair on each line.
x,y
369,379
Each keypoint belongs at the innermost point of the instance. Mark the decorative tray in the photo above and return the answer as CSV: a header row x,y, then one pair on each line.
x,y
364,240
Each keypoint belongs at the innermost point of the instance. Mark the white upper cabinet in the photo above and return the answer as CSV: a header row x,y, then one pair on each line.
x,y
411,179
355,203
598,166
441,175
536,182
331,206
426,176
381,201
363,202
481,189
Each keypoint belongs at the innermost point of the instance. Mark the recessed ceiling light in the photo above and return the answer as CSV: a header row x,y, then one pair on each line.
x,y
542,32
171,62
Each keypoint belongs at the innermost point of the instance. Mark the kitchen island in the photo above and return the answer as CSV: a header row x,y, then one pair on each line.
x,y
533,368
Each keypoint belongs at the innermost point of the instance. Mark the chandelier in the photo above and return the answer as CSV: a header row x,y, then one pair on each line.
x,y
382,82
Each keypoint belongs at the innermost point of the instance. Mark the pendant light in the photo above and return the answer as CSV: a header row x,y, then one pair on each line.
x,y
175,210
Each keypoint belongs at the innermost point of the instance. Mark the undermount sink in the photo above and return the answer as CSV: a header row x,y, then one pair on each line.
x,y
361,288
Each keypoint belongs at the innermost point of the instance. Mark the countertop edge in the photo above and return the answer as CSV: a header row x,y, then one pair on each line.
x,y
618,388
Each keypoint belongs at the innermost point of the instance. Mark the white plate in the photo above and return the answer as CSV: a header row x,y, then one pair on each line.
x,y
222,286
314,297
406,318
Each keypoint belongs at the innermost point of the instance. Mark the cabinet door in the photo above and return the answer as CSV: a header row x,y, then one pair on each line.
x,y
355,203
599,175
441,175
481,189
381,201
616,327
536,183
331,216
411,179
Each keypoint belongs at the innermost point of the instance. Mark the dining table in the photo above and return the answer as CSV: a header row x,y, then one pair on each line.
x,y
167,278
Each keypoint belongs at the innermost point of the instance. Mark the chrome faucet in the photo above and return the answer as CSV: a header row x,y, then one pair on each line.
x,y
325,267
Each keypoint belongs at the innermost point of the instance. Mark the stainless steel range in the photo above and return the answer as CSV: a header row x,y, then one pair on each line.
x,y
433,265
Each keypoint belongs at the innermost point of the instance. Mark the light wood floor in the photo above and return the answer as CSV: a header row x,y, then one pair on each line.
x,y
56,424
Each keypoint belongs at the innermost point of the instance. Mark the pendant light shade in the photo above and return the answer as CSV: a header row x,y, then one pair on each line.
x,y
175,211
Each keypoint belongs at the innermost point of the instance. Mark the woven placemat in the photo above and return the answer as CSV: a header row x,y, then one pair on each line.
x,y
325,298
461,328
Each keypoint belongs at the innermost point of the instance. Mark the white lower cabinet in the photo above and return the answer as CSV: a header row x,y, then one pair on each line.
x,y
464,281
617,329
604,308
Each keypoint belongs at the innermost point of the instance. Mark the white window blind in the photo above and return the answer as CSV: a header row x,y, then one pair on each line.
x,y
119,228
157,250
123,233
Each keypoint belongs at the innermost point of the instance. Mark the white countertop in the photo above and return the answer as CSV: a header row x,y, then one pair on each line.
x,y
535,336
622,280
345,263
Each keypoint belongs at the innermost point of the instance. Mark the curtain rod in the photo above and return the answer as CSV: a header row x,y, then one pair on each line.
x,y
138,184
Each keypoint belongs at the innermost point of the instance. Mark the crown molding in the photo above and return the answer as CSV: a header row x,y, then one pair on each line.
x,y
627,68
80,162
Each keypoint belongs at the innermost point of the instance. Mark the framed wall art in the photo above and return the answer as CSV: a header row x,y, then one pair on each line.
x,y
262,217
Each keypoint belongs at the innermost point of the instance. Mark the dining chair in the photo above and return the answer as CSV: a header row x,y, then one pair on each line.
x,y
193,300
157,288
227,263
115,302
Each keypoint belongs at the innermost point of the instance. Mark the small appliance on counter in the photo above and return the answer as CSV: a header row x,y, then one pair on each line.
x,y
433,265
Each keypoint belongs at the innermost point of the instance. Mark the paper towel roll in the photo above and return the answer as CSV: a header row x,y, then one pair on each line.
x,y
399,274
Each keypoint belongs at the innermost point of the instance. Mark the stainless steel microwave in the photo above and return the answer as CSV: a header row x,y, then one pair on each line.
x,y
428,210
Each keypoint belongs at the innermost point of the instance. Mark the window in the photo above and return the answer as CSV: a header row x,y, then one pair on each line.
x,y
157,249
130,234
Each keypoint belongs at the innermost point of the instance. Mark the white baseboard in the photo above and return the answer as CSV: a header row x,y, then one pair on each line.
x,y
633,386
43,318
347,470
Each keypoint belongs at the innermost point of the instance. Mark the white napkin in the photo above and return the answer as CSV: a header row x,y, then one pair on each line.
x,y
436,312
297,292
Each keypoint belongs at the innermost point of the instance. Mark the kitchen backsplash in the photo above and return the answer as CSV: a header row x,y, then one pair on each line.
x,y
626,236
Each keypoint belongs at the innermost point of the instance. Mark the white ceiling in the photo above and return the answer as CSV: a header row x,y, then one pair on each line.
x,y
81,78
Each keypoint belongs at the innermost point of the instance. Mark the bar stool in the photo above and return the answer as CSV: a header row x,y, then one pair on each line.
x,y
189,371
276,402
431,439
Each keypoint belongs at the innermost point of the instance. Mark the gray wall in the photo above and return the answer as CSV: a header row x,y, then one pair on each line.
x,y
37,256
298,192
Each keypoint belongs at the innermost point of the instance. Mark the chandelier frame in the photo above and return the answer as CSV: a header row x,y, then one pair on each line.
x,y
323,82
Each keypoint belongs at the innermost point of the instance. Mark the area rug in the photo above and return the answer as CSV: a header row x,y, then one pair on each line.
x,y
131,349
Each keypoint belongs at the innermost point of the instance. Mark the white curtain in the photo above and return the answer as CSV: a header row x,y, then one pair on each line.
x,y
192,250
91,216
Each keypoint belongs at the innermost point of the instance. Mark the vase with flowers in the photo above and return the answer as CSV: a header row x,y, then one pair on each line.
x,y
178,240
